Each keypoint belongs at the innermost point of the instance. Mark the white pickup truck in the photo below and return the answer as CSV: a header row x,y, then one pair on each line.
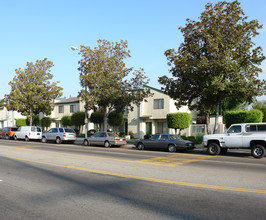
x,y
249,135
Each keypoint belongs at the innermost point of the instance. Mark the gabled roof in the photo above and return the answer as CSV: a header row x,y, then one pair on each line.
x,y
69,100
157,90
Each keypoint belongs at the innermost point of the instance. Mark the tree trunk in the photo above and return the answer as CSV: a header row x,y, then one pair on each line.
x,y
105,120
216,118
30,117
208,123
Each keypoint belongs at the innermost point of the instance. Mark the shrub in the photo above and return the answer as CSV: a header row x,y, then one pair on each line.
x,y
115,118
147,136
46,122
179,120
21,122
121,134
66,121
97,117
244,116
131,134
77,119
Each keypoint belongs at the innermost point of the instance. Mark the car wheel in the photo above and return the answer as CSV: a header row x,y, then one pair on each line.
x,y
107,144
26,138
214,149
86,142
258,151
7,137
58,140
44,140
15,138
223,151
171,148
140,146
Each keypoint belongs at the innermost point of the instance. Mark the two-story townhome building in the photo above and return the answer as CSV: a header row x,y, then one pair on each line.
x,y
66,107
150,116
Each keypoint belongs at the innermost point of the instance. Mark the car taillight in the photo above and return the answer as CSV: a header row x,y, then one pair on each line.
x,y
29,134
64,135
117,139
124,139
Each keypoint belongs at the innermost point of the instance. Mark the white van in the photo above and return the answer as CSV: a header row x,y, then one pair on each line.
x,y
28,133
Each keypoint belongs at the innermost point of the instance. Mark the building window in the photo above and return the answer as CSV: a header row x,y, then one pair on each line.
x,y
72,108
158,104
61,109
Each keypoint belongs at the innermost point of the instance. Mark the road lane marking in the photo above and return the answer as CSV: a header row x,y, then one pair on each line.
x,y
169,160
179,183
173,160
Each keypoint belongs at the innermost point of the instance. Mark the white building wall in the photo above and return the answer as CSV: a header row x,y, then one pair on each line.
x,y
8,118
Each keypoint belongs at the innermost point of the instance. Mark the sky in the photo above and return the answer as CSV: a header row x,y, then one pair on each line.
x,y
33,30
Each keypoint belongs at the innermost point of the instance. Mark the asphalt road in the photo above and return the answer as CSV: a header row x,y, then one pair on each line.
x,y
48,181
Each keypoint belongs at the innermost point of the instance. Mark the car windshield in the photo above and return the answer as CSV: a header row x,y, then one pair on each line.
x,y
174,137
14,129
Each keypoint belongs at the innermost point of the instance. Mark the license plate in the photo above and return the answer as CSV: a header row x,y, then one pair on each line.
x,y
38,133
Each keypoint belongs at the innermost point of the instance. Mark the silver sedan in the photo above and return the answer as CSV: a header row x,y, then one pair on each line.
x,y
106,139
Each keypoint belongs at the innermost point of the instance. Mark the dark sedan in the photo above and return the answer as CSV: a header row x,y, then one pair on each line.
x,y
170,142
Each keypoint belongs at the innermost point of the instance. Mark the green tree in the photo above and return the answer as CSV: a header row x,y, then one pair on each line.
x,y
103,73
115,119
31,89
77,119
261,105
178,120
66,121
46,122
217,60
2,102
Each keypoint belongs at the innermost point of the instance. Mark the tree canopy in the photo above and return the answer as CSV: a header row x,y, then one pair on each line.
x,y
104,74
261,105
31,89
217,60
178,120
77,119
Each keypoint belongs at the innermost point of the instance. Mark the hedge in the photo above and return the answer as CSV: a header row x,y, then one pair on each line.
x,y
21,122
244,116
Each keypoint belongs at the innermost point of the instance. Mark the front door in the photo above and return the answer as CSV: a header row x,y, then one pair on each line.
x,y
148,128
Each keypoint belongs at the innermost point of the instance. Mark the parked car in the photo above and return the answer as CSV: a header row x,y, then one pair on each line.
x,y
28,133
245,135
59,135
106,139
170,142
8,132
